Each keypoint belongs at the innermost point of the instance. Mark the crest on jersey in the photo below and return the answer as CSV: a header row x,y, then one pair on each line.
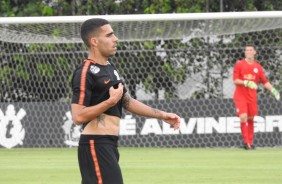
x,y
11,130
72,131
94,69
255,70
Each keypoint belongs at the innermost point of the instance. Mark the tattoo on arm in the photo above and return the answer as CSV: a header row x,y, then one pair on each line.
x,y
126,100
157,113
155,110
101,119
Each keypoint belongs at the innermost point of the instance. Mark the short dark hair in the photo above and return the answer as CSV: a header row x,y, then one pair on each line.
x,y
90,27
250,45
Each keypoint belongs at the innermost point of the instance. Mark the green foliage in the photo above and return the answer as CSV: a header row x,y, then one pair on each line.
x,y
47,11
101,7
45,70
149,45
178,61
21,8
152,64
157,6
4,73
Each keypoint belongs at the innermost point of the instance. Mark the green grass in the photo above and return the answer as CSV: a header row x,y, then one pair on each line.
x,y
148,165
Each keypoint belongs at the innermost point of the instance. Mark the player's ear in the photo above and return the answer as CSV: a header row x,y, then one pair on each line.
x,y
93,41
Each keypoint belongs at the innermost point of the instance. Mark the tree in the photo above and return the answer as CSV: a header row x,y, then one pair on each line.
x,y
156,69
24,8
163,64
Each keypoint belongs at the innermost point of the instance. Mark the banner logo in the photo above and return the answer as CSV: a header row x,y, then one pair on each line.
x,y
11,130
72,131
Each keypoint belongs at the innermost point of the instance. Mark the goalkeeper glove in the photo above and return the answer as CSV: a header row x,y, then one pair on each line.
x,y
250,84
275,93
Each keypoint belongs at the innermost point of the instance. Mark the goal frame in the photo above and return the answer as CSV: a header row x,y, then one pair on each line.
x,y
142,17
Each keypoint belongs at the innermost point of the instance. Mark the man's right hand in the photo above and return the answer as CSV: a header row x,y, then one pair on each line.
x,y
115,94
250,84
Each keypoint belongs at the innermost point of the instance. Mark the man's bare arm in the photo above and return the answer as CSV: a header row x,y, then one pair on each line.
x,y
238,82
139,108
82,114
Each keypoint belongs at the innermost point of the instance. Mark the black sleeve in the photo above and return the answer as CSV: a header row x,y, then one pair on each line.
x,y
82,84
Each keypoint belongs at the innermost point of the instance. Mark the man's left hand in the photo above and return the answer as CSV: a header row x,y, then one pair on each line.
x,y
172,119
275,93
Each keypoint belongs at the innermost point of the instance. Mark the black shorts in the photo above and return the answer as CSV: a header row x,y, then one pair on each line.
x,y
98,158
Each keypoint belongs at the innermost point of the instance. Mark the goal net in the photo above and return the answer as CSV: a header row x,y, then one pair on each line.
x,y
181,63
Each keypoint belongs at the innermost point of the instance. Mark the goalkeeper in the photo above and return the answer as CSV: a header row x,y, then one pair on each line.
x,y
246,75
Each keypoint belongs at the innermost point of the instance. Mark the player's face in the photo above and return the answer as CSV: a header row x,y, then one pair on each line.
x,y
250,52
107,41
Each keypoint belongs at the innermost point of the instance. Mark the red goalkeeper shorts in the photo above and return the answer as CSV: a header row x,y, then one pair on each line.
x,y
251,109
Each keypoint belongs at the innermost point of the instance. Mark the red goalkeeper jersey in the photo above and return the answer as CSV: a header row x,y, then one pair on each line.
x,y
251,72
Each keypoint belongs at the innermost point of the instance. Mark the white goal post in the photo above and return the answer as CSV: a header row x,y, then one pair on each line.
x,y
65,29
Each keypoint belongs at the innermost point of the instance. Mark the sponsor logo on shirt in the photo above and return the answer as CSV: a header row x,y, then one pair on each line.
x,y
255,70
94,69
249,77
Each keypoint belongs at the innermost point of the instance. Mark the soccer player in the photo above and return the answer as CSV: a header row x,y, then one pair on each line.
x,y
98,98
246,75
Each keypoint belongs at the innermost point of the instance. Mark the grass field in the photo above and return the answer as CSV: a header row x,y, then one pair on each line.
x,y
148,166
